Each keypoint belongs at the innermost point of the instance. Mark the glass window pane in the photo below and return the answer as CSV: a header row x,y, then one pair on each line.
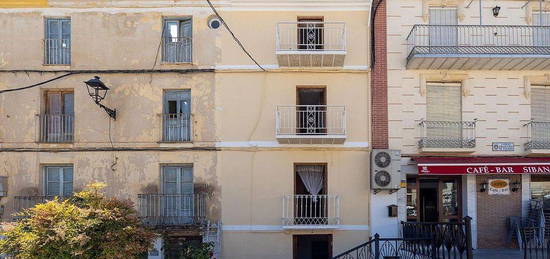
x,y
170,188
67,188
170,174
449,198
412,210
53,29
52,188
67,174
52,174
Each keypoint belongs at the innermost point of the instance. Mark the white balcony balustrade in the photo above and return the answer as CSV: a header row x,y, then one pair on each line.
x,y
311,44
478,47
311,124
303,211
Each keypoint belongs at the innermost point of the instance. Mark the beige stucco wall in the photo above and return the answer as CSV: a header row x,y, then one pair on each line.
x,y
497,99
233,110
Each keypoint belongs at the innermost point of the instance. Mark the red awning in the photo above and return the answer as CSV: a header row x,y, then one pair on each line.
x,y
482,165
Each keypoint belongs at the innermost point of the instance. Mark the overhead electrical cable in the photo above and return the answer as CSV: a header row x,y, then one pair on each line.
x,y
37,84
233,35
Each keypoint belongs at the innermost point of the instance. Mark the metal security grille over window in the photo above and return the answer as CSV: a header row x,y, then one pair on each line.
x,y
57,42
177,41
444,127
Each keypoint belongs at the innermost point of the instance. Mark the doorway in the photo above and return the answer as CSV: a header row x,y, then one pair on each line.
x,y
311,111
310,199
434,199
312,246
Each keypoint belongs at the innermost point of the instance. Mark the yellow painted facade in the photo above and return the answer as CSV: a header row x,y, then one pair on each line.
x,y
233,149
23,3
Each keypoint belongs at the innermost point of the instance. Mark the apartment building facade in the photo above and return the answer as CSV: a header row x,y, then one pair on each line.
x,y
211,148
467,104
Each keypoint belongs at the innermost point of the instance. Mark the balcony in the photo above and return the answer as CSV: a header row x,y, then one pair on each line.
x,y
311,124
177,50
56,128
176,127
538,137
479,47
311,44
172,210
447,136
22,203
301,211
57,51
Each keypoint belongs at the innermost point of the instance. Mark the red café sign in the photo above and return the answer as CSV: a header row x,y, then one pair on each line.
x,y
483,168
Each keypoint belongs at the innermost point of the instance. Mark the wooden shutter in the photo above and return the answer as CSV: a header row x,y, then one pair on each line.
x,y
443,16
540,103
444,102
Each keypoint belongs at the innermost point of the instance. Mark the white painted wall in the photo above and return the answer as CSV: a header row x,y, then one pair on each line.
x,y
469,203
380,222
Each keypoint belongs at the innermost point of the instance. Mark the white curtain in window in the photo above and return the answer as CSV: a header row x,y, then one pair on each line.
x,y
312,177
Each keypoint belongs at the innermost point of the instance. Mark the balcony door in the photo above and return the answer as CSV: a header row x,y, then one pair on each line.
x,y
57,122
541,35
444,114
177,116
310,199
443,33
177,202
310,33
177,41
57,45
311,111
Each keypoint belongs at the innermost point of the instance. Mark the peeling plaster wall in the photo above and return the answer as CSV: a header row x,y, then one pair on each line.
x,y
136,172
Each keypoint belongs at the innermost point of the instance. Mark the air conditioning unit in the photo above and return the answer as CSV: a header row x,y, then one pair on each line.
x,y
386,169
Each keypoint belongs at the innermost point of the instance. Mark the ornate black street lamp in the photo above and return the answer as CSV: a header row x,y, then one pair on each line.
x,y
98,90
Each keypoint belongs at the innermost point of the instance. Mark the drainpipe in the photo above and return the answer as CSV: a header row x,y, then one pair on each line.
x,y
480,14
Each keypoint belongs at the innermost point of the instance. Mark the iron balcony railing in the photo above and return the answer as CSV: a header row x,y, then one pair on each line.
x,y
57,51
159,210
177,49
176,127
22,203
311,36
478,39
311,120
56,128
538,134
311,210
448,134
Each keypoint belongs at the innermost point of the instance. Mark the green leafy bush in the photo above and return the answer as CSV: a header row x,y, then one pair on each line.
x,y
87,225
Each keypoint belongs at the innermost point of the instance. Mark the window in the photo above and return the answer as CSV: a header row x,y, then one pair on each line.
x,y
58,180
177,41
177,116
444,110
310,33
178,192
540,103
443,35
541,36
56,124
57,42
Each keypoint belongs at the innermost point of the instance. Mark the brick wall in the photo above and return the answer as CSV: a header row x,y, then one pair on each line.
x,y
379,80
493,212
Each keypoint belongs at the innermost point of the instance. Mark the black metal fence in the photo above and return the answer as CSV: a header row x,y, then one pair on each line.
x,y
390,248
533,243
449,239
433,240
